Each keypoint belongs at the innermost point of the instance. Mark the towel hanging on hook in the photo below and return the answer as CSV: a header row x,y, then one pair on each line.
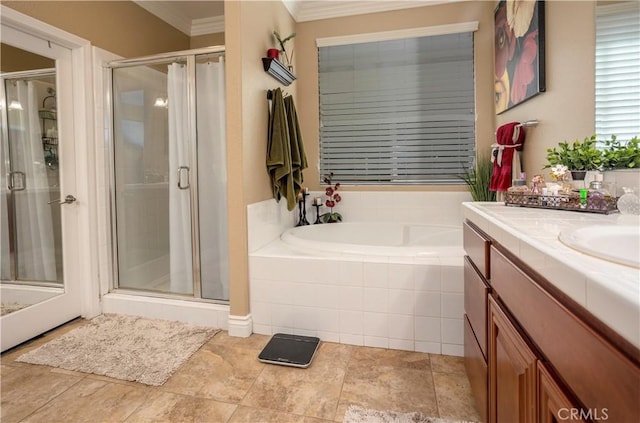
x,y
270,94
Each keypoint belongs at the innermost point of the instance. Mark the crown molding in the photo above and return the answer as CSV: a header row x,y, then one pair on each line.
x,y
398,34
203,26
303,11
293,6
300,10
168,13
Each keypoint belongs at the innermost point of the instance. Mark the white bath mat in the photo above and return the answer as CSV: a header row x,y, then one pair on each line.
x,y
123,347
355,414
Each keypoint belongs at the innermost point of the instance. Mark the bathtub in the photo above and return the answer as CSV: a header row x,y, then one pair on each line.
x,y
386,285
378,239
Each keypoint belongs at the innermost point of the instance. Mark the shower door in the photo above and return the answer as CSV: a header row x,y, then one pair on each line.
x,y
170,176
152,177
38,211
32,247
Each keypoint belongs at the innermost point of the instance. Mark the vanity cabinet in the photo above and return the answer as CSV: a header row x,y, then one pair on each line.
x,y
553,404
534,355
512,371
476,295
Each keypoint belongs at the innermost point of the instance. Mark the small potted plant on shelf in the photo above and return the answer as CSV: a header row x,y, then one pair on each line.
x,y
578,157
333,198
283,50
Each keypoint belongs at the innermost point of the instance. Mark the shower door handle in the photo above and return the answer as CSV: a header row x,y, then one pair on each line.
x,y
182,170
67,200
12,181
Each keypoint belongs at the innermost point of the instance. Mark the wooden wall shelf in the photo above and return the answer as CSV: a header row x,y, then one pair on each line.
x,y
277,70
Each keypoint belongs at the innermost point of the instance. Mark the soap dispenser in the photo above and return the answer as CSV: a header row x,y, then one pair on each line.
x,y
629,203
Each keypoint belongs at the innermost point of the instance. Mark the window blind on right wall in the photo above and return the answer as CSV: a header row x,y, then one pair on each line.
x,y
618,71
399,111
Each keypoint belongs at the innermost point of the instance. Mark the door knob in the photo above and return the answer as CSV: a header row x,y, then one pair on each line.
x,y
67,200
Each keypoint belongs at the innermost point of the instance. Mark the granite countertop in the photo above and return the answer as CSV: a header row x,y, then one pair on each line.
x,y
610,291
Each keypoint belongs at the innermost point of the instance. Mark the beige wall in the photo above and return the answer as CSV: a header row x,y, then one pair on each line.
x,y
306,55
13,59
248,27
566,109
207,40
121,27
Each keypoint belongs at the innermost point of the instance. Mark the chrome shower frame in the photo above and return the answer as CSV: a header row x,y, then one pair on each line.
x,y
190,57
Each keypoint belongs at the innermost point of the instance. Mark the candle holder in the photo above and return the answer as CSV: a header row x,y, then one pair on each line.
x,y
302,209
317,206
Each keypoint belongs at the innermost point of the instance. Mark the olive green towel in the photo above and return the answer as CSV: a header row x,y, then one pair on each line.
x,y
298,157
279,153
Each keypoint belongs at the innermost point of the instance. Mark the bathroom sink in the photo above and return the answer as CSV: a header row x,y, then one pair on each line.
x,y
616,243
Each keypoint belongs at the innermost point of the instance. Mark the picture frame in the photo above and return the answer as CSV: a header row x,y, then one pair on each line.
x,y
519,52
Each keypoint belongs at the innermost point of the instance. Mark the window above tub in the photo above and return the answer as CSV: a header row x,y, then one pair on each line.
x,y
398,107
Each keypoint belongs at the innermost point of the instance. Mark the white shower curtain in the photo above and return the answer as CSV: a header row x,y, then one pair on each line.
x,y
212,179
180,251
34,222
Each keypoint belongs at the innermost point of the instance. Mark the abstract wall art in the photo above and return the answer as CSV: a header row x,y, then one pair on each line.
x,y
519,52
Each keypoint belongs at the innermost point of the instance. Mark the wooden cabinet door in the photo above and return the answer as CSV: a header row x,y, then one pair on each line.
x,y
512,371
553,404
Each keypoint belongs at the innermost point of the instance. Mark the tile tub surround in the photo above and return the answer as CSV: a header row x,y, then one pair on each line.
x,y
267,219
405,303
388,302
609,291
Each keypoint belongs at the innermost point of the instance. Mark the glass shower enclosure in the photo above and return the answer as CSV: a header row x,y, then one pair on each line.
x,y
169,198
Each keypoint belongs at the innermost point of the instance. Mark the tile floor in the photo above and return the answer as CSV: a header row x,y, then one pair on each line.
x,y
224,382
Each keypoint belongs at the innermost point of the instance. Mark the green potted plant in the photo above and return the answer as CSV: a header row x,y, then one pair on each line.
x,y
617,155
578,157
621,164
478,179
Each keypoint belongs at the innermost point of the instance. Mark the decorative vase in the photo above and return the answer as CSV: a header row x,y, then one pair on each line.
x,y
629,203
578,175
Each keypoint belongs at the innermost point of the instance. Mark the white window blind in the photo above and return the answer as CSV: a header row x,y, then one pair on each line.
x,y
618,70
398,111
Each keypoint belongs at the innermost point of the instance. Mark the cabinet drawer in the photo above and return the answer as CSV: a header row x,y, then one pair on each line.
x,y
475,303
476,366
599,374
477,247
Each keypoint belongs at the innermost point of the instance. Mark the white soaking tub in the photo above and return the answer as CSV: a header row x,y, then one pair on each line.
x,y
378,239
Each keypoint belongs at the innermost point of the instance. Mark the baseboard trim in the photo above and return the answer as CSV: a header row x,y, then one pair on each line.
x,y
194,312
240,326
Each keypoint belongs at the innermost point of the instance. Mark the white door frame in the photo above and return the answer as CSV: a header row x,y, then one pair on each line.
x,y
84,283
